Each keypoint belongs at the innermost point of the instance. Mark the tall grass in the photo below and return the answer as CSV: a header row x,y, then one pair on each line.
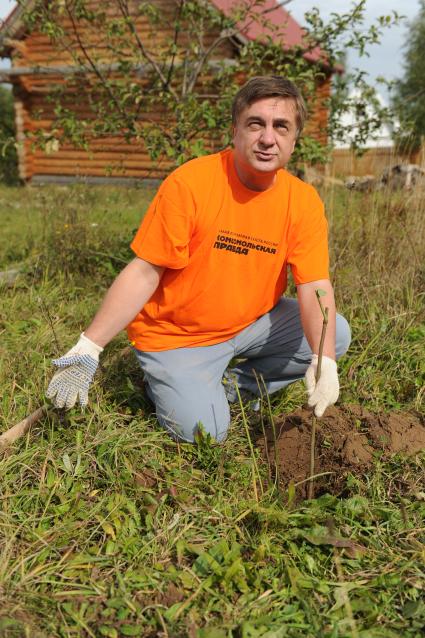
x,y
378,256
109,528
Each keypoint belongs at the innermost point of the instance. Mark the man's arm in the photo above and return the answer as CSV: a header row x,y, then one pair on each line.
x,y
130,291
324,391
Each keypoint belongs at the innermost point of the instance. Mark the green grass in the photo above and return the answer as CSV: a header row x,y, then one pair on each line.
x,y
109,528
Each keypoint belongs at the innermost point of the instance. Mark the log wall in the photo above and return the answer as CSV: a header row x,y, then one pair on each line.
x,y
317,123
109,155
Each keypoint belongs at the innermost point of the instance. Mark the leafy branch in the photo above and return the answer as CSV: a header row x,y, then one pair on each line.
x,y
187,76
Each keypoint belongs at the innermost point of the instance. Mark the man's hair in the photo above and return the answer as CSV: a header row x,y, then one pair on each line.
x,y
264,86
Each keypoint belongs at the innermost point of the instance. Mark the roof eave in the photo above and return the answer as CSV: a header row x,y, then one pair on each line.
x,y
12,26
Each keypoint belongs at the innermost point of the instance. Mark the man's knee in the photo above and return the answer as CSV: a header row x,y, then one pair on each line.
x,y
343,336
185,430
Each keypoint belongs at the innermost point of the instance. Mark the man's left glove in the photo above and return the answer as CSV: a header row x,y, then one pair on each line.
x,y
325,391
73,379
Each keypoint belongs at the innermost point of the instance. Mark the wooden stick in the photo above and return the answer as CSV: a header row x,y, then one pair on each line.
x,y
314,418
21,428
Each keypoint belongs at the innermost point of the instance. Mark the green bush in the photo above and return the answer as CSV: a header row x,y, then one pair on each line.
x,y
8,155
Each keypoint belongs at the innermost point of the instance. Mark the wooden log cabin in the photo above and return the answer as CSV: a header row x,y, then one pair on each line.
x,y
38,66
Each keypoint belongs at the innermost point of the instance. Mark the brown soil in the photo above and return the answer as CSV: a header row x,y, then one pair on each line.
x,y
348,439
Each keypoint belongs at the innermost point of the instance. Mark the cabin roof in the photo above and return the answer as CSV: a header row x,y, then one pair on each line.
x,y
10,27
290,32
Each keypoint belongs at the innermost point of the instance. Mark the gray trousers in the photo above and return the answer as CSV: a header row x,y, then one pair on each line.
x,y
185,384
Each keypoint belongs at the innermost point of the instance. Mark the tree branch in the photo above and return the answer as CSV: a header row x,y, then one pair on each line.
x,y
176,37
226,35
95,68
123,6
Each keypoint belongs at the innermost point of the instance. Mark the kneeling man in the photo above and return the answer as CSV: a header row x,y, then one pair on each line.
x,y
210,270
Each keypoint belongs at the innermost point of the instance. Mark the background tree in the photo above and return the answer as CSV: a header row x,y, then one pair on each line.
x,y
409,92
8,158
181,79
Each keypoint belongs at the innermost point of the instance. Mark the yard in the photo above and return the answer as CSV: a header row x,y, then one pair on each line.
x,y
109,528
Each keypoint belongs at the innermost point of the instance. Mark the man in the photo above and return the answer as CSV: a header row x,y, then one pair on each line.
x,y
207,281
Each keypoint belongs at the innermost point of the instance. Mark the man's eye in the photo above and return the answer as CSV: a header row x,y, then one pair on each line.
x,y
282,127
254,126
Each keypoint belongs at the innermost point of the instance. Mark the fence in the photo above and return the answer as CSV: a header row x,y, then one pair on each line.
x,y
373,162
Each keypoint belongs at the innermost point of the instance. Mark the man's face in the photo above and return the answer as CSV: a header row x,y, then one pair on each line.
x,y
264,135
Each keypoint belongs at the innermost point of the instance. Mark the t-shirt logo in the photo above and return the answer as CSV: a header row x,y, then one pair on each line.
x,y
242,244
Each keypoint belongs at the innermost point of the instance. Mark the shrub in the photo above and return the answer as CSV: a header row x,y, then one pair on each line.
x,y
8,155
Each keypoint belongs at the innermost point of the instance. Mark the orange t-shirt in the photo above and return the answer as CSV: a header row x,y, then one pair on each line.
x,y
225,249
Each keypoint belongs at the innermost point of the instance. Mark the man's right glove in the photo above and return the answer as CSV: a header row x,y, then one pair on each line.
x,y
325,391
73,379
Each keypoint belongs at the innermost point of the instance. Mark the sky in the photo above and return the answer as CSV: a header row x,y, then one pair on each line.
x,y
385,59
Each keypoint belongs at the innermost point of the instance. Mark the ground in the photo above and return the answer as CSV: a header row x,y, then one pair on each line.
x,y
349,439
110,528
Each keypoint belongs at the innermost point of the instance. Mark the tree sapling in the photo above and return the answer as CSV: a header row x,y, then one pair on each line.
x,y
319,293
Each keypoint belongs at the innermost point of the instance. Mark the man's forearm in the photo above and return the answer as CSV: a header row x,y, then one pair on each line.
x,y
312,318
130,291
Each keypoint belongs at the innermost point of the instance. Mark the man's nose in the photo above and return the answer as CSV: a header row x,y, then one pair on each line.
x,y
267,136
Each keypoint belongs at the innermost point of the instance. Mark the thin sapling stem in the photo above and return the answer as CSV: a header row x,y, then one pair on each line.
x,y
319,293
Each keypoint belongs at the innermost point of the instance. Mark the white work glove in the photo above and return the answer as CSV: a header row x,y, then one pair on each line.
x,y
77,369
325,391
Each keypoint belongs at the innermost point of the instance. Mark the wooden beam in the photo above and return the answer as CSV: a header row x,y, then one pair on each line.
x,y
70,69
20,136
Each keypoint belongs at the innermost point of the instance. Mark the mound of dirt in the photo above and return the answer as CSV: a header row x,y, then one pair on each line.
x,y
348,438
